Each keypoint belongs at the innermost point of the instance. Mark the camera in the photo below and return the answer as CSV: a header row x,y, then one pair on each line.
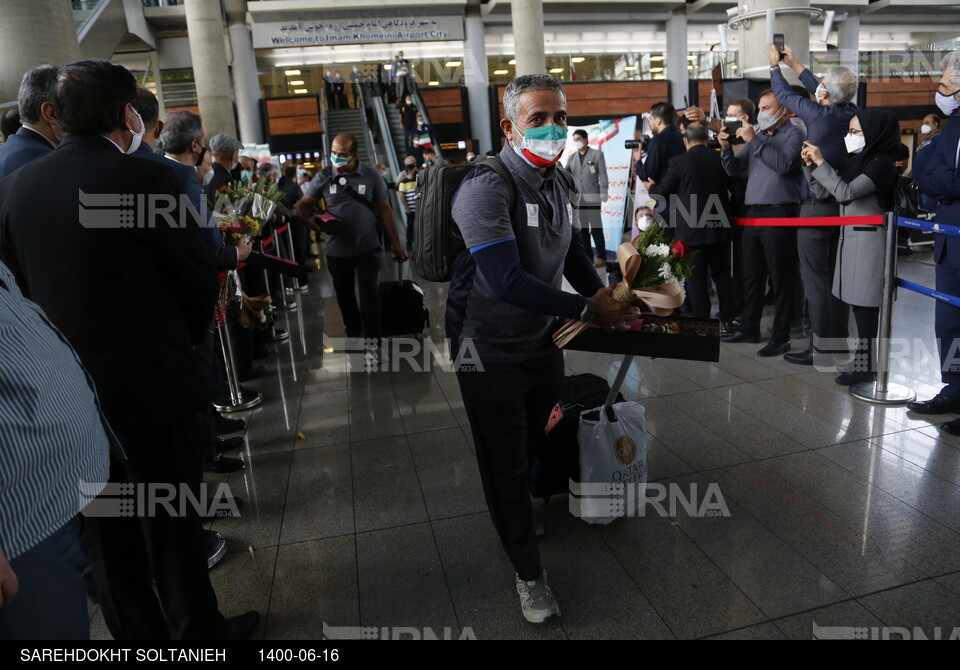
x,y
633,144
732,127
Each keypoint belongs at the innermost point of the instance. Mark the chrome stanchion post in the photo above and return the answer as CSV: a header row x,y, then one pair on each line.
x,y
238,401
881,391
297,286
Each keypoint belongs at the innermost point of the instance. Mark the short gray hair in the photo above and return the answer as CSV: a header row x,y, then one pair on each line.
x,y
38,86
841,85
696,132
524,84
267,169
180,129
952,60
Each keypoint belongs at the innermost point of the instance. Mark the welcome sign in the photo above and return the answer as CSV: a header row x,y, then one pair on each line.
x,y
329,32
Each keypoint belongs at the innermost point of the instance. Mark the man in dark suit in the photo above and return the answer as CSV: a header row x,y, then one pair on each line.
x,y
39,133
938,176
667,142
160,283
226,152
697,186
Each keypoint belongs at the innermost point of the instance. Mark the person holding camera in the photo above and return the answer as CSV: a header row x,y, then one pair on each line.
x,y
772,159
827,120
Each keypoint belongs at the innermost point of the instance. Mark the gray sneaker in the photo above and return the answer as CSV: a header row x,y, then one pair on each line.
x,y
536,600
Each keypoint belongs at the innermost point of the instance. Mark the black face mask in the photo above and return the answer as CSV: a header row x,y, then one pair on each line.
x,y
203,152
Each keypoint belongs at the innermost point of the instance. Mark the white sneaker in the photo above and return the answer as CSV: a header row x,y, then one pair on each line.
x,y
536,600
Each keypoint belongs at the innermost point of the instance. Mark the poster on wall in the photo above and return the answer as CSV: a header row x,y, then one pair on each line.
x,y
608,137
402,27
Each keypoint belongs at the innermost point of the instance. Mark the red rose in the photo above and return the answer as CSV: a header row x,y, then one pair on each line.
x,y
678,249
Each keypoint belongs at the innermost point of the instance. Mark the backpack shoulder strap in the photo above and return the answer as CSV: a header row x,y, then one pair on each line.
x,y
497,166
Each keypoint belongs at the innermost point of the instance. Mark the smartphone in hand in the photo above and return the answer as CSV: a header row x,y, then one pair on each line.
x,y
778,42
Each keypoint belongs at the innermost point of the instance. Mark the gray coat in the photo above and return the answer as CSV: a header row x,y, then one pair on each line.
x,y
590,176
858,279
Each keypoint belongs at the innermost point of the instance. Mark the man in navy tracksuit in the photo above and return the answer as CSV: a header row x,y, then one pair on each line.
x,y
938,176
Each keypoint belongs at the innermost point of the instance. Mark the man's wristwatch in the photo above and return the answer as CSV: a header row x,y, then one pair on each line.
x,y
588,312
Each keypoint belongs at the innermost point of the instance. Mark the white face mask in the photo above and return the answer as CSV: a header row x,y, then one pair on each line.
x,y
644,222
821,92
855,143
925,129
578,146
948,104
137,136
767,121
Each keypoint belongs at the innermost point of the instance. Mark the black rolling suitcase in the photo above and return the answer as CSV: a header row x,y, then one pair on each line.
x,y
402,311
559,460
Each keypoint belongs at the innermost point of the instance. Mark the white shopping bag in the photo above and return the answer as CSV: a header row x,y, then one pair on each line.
x,y
613,464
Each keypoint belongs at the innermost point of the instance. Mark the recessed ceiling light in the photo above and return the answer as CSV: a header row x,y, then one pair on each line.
x,y
689,67
293,73
691,58
556,70
578,59
501,71
388,67
656,69
296,83
659,76
656,58
433,83
453,63
512,61
630,67
300,90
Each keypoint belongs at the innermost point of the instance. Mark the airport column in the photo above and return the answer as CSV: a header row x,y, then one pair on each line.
x,y
756,37
527,19
677,73
34,32
848,41
246,83
475,76
209,55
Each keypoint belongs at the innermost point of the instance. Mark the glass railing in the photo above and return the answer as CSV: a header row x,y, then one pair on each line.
x,y
84,11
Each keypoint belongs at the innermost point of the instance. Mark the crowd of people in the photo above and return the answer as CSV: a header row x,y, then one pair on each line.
x,y
791,153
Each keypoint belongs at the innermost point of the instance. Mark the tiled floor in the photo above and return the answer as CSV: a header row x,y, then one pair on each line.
x,y
363,506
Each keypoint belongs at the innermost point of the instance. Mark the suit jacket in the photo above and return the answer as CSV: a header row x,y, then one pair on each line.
x,y
663,147
189,184
938,176
20,148
590,176
133,301
699,183
221,177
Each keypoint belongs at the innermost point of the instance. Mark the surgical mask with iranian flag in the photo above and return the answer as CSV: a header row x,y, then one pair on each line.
x,y
542,146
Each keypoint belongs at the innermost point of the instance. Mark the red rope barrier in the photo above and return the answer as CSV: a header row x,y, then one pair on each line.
x,y
872,220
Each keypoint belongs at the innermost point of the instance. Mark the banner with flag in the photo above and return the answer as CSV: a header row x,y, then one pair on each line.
x,y
608,136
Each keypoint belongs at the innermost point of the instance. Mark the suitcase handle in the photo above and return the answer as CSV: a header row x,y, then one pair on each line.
x,y
615,387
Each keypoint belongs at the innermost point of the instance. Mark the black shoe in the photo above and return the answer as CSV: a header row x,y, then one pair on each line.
x,y
225,426
241,627
804,357
741,336
774,349
938,404
251,373
278,335
222,464
214,546
227,443
850,378
952,427
727,328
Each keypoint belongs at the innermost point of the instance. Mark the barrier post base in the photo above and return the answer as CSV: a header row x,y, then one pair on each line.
x,y
895,394
247,400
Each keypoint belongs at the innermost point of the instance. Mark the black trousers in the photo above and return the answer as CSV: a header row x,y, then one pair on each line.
x,y
817,246
363,272
129,553
711,260
508,405
773,248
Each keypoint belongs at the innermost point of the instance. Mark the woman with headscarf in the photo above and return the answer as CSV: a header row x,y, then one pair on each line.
x,y
865,184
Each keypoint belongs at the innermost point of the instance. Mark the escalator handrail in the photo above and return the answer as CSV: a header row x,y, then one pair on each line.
x,y
386,132
422,110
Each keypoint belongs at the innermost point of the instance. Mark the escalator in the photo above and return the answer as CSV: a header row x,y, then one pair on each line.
x,y
351,121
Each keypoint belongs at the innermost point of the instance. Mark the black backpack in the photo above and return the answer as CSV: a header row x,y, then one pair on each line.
x,y
434,250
